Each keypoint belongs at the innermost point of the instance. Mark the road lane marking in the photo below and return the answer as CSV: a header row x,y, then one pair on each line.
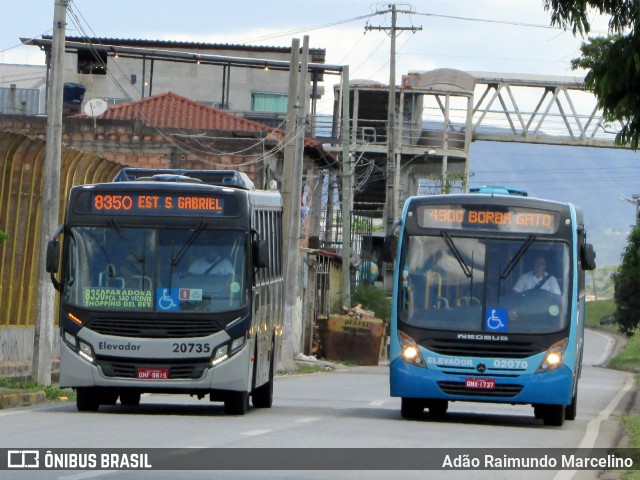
x,y
307,419
253,433
20,412
593,427
80,476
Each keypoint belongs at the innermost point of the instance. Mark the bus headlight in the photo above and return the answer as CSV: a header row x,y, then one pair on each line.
x,y
222,353
85,351
553,358
410,351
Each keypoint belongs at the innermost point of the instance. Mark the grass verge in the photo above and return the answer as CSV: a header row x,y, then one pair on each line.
x,y
628,360
52,392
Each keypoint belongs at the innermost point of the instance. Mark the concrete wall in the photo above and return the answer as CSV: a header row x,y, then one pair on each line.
x,y
16,344
196,81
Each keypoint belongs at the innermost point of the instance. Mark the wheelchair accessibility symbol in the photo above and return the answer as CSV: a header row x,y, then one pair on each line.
x,y
496,319
168,299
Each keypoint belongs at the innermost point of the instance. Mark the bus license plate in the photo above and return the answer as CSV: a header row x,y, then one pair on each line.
x,y
482,383
147,373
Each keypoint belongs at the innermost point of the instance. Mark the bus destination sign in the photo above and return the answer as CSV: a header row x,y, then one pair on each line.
x,y
156,204
488,217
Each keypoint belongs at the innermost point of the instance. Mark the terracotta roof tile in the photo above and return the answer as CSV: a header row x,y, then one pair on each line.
x,y
169,110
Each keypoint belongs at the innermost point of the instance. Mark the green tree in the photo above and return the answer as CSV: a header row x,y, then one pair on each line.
x,y
626,281
612,62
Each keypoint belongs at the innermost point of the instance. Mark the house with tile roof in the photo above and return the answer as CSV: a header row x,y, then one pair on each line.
x,y
121,70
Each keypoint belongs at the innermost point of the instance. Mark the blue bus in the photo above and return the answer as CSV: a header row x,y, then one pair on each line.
x,y
488,303
170,281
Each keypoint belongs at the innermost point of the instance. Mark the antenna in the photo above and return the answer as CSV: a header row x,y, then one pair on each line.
x,y
95,107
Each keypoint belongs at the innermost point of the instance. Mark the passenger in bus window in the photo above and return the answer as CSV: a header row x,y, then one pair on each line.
x,y
210,260
537,279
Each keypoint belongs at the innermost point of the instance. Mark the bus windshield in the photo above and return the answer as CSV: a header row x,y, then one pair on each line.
x,y
484,284
120,268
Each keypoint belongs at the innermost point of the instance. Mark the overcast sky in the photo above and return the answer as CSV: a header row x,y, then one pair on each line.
x,y
474,35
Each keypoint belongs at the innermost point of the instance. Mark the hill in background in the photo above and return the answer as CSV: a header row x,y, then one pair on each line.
x,y
596,179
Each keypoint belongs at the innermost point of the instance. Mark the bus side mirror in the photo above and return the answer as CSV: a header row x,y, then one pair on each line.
x,y
53,256
389,248
587,256
52,259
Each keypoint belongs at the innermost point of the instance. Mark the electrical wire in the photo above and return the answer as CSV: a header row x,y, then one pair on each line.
x,y
167,136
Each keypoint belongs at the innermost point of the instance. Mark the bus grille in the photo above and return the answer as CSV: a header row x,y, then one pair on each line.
x,y
470,348
120,369
459,388
153,328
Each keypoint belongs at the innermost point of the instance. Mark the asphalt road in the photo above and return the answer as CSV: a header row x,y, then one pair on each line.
x,y
349,408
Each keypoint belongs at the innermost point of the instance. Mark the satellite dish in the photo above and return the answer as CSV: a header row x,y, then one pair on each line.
x,y
95,107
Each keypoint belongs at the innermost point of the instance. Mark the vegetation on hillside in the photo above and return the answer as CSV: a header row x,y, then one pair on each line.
x,y
626,280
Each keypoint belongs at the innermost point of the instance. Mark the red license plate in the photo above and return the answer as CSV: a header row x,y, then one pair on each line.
x,y
481,383
147,373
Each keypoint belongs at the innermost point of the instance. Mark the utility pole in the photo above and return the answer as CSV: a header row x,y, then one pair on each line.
x,y
346,192
291,212
50,202
393,162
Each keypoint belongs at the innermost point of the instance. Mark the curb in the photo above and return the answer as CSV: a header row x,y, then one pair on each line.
x,y
18,399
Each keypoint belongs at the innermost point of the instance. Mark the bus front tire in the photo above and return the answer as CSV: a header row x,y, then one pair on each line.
x,y
130,399
411,408
572,408
236,403
87,400
108,397
554,415
438,408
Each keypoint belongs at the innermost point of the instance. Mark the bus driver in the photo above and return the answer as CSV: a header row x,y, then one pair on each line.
x,y
211,261
538,278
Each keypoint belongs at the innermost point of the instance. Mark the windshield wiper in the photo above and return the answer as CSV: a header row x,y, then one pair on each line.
x,y
126,241
456,253
516,258
192,238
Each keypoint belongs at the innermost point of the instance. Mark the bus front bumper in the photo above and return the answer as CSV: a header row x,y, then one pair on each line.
x,y
409,381
234,374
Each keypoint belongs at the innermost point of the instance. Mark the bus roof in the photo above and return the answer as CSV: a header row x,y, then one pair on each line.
x,y
222,178
499,190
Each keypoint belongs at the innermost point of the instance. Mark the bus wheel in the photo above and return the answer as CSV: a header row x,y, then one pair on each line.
x,y
262,397
438,408
411,408
86,400
538,411
108,397
236,403
554,415
572,409
130,399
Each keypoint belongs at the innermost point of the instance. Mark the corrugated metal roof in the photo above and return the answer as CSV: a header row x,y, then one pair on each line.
x,y
317,54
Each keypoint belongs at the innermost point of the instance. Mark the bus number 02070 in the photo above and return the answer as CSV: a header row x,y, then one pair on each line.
x,y
510,364
191,347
